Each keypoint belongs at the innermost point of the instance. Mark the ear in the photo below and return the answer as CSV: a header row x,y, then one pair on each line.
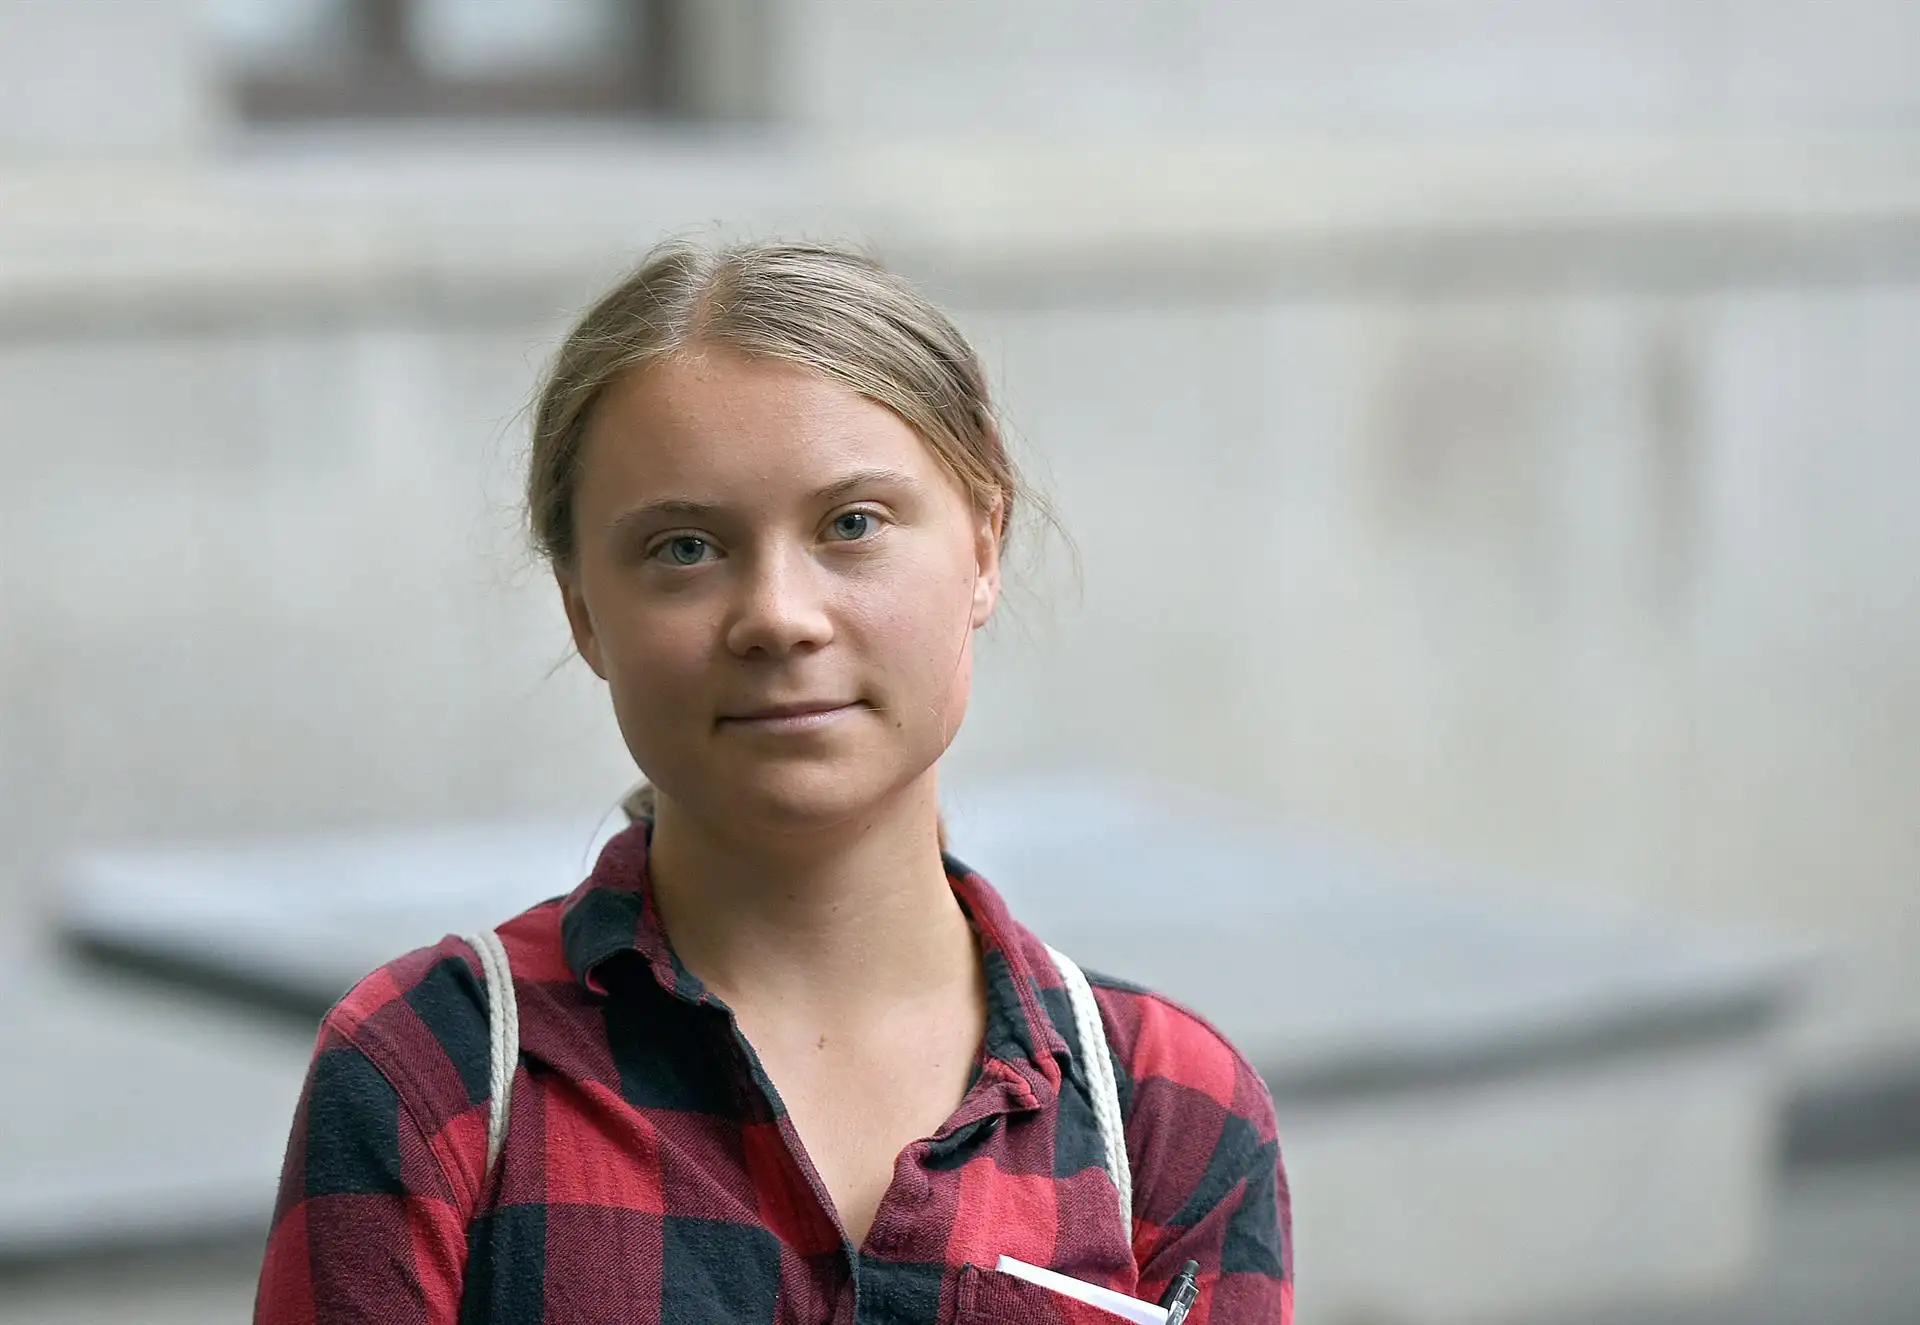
x,y
986,553
580,620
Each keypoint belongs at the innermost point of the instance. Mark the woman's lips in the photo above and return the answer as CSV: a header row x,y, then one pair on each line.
x,y
790,717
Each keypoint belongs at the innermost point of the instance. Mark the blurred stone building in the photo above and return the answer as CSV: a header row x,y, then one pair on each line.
x,y
1487,428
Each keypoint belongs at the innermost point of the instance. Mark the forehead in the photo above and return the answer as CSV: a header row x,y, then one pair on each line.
x,y
726,423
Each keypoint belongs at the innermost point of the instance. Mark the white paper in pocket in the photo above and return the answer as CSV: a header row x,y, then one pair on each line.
x,y
1126,1308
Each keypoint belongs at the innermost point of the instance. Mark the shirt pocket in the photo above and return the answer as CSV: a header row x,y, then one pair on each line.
x,y
989,1297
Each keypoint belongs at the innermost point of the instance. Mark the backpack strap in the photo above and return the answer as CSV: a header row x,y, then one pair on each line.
x,y
1090,1029
503,1038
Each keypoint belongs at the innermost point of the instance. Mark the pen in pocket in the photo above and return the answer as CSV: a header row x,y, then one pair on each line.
x,y
1178,1299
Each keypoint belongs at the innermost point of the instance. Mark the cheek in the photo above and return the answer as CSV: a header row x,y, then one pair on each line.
x,y
656,664
921,643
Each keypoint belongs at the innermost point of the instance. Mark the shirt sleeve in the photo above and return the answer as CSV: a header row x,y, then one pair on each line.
x,y
1210,1183
367,1226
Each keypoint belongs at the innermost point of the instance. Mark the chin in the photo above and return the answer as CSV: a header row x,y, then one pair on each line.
x,y
790,800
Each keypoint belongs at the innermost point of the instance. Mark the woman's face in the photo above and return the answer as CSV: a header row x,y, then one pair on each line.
x,y
779,581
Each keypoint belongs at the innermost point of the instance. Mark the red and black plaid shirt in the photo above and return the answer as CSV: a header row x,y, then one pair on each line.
x,y
650,1174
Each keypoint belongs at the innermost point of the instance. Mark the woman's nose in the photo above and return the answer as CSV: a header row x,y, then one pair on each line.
x,y
781,606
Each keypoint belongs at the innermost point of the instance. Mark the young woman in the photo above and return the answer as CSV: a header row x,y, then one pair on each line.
x,y
779,1058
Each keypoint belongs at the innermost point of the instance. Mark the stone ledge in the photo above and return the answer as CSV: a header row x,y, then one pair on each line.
x,y
151,1119
342,231
1871,1113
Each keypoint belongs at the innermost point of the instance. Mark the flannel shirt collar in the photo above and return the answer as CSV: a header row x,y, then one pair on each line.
x,y
612,914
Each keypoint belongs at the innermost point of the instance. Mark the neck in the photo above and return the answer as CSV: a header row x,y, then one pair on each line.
x,y
807,920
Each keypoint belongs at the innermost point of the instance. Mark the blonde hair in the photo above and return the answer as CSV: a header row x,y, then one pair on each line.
x,y
828,309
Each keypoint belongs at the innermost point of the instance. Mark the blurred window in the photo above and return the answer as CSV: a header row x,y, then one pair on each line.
x,y
405,59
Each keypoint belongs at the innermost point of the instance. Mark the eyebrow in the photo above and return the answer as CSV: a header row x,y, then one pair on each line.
x,y
682,508
865,478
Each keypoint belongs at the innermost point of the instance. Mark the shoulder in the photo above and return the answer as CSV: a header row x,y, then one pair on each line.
x,y
1176,1064
422,1018
1174,1067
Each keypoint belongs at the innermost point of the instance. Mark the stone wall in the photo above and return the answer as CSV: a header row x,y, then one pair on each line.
x,y
1100,67
104,76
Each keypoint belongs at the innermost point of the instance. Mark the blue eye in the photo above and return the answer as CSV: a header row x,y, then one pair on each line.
x,y
852,526
683,550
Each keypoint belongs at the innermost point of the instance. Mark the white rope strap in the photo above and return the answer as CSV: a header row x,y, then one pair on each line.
x,y
503,1038
1098,1062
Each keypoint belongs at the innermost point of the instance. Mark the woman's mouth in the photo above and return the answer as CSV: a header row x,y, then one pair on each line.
x,y
797,717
